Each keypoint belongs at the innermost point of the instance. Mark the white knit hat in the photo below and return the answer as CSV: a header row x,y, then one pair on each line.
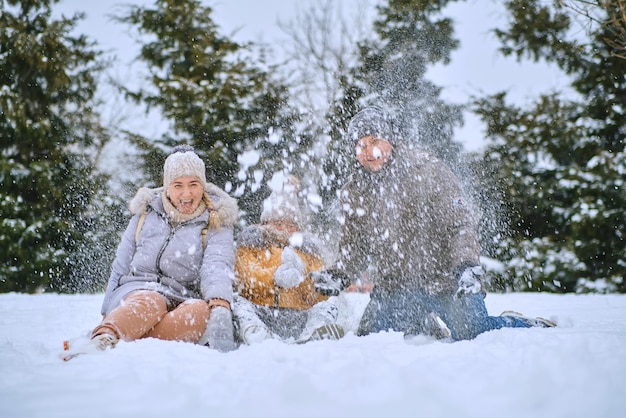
x,y
183,161
282,204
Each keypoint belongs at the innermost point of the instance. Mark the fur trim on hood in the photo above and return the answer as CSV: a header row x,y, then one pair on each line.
x,y
224,206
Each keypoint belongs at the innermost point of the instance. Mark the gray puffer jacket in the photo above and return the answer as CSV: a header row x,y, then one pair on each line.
x,y
409,224
170,259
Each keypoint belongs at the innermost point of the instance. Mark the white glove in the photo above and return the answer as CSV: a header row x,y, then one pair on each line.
x,y
470,282
220,330
291,272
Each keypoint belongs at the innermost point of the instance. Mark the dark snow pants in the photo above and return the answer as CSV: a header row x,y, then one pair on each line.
x,y
408,311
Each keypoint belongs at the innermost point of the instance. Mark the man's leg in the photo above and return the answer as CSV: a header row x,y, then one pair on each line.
x,y
402,311
467,317
375,317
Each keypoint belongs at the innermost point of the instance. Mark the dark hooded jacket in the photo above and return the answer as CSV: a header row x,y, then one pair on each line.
x,y
409,225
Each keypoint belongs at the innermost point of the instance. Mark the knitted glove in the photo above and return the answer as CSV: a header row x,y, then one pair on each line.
x,y
291,272
219,331
330,282
470,281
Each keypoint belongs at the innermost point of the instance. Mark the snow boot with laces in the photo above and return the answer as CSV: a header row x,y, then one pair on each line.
x,y
325,332
321,323
531,322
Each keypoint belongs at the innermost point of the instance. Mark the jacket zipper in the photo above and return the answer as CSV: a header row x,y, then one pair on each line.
x,y
162,250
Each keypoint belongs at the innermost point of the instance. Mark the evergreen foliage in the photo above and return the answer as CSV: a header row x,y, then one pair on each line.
x,y
219,96
408,37
556,165
562,157
412,35
48,134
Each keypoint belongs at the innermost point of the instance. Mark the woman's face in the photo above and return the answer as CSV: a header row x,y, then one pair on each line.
x,y
373,153
185,193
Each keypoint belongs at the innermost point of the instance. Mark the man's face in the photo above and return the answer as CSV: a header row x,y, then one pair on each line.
x,y
373,153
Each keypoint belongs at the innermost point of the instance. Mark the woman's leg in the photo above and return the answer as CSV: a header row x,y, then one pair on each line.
x,y
186,322
139,312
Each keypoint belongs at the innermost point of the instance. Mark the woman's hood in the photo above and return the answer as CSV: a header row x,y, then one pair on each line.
x,y
224,205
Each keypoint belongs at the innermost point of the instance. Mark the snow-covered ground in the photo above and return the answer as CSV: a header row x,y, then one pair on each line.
x,y
575,370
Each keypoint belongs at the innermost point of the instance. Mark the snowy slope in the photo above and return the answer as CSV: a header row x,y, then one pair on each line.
x,y
575,370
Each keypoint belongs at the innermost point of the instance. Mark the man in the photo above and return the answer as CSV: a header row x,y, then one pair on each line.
x,y
406,222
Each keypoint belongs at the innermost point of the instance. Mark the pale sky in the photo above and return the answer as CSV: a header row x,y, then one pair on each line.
x,y
476,68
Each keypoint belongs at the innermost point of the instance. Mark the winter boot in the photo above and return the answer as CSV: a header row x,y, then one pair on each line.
x,y
325,332
253,334
532,322
328,332
104,341
321,323
249,326
436,327
87,345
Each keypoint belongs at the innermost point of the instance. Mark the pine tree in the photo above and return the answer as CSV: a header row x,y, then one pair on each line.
x,y
386,66
409,36
412,35
48,133
219,95
562,158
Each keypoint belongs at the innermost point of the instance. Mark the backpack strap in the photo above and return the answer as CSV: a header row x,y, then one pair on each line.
x,y
209,205
142,218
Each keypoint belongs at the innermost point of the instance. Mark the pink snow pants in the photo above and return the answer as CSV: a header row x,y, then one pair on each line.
x,y
144,314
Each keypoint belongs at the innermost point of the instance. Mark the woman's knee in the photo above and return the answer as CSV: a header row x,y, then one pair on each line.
x,y
195,307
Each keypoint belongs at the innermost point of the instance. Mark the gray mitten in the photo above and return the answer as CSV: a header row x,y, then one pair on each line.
x,y
291,272
470,281
219,331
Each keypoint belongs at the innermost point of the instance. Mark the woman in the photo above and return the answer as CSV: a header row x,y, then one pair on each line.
x,y
173,271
